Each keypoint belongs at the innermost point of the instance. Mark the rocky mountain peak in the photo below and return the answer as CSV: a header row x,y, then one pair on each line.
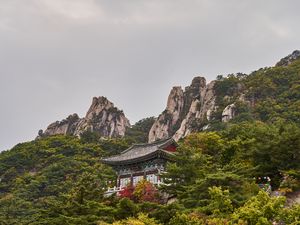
x,y
194,90
175,99
197,83
102,117
289,59
165,124
183,109
98,105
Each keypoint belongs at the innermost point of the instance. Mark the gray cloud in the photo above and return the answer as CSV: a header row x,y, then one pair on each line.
x,y
55,55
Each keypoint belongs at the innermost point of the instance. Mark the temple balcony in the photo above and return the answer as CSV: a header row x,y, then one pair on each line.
x,y
116,190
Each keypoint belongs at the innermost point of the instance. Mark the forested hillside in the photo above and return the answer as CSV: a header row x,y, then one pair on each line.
x,y
269,94
238,172
60,179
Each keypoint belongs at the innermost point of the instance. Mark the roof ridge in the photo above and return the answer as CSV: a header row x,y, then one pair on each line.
x,y
126,150
162,141
153,143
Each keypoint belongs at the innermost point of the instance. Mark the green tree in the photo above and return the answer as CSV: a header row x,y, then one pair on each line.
x,y
185,219
140,130
126,208
220,204
142,219
261,209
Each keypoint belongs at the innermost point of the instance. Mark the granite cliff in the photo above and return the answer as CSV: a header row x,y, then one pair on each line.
x,y
187,111
200,105
102,117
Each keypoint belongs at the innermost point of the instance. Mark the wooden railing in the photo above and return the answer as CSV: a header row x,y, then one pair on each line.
x,y
115,189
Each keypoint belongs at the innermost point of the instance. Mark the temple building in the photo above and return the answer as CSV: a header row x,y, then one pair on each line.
x,y
141,161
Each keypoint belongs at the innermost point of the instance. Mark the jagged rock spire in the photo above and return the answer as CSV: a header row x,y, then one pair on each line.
x,y
184,108
102,117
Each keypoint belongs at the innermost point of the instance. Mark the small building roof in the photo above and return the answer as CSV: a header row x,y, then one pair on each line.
x,y
141,152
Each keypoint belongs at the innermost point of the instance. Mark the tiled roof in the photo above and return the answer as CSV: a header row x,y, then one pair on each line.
x,y
139,152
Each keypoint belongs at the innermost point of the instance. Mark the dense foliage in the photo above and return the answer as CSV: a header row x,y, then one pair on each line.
x,y
61,180
49,179
140,130
268,94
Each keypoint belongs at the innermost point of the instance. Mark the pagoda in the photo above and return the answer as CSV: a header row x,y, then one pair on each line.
x,y
141,161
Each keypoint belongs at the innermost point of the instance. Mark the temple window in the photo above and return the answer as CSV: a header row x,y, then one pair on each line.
x,y
152,178
124,182
136,179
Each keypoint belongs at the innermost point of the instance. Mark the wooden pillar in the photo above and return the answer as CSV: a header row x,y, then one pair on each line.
x,y
118,181
131,180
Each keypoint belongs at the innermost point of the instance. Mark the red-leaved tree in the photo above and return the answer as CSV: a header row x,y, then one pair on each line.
x,y
127,192
143,191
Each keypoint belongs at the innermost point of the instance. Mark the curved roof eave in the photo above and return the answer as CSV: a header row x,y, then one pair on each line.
x,y
138,159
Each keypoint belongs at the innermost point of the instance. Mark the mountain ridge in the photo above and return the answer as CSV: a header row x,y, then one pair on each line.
x,y
193,108
199,105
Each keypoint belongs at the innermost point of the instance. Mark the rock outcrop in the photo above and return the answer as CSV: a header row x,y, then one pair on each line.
x,y
166,123
102,117
199,112
228,113
193,109
186,111
289,59
66,126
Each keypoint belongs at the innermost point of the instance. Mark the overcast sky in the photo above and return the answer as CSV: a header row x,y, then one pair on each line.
x,y
55,55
